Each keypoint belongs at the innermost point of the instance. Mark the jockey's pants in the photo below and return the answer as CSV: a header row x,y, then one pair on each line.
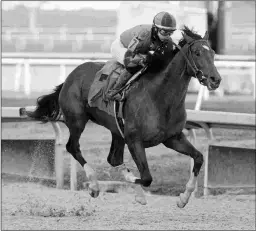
x,y
118,50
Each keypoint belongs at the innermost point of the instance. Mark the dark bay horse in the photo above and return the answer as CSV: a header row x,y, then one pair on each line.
x,y
154,110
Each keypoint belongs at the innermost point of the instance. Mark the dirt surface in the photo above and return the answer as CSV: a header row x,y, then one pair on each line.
x,y
33,206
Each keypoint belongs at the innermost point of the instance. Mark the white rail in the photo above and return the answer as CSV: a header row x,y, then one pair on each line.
x,y
216,119
52,62
15,114
57,61
53,55
98,55
24,61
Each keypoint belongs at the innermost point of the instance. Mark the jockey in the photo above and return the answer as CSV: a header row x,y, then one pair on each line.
x,y
132,48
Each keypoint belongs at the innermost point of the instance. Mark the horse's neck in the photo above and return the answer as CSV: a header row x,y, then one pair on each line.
x,y
166,89
172,84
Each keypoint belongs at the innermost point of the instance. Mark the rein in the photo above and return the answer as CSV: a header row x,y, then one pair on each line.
x,y
198,73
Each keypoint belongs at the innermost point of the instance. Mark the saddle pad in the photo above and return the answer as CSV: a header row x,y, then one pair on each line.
x,y
110,71
103,78
102,105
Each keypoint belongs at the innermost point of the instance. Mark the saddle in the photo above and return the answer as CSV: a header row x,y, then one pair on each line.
x,y
104,80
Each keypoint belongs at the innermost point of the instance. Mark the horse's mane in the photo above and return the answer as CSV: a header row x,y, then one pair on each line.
x,y
182,41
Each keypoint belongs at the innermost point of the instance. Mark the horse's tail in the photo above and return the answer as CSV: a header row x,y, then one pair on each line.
x,y
47,108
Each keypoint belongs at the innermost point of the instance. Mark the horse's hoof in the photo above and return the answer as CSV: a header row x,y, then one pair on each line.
x,y
94,190
141,200
180,204
94,193
181,201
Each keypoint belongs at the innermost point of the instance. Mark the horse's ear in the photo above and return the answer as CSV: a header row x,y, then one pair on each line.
x,y
206,35
187,38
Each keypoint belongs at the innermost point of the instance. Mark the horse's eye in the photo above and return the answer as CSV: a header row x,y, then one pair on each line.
x,y
198,53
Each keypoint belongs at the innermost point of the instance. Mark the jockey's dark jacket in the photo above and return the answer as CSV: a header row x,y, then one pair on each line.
x,y
139,40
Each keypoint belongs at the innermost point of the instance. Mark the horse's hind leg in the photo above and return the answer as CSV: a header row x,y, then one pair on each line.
x,y
181,144
116,157
116,153
76,120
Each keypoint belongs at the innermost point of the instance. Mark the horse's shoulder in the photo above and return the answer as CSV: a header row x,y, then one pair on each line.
x,y
92,63
89,66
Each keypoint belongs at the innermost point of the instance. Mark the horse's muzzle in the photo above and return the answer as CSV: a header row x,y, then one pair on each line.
x,y
213,83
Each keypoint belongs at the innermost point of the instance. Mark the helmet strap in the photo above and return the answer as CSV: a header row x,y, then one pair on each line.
x,y
154,32
155,37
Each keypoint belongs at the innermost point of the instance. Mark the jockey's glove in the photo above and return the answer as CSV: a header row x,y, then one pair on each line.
x,y
149,58
142,62
132,60
137,60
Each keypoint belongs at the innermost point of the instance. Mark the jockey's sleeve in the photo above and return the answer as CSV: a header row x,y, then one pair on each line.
x,y
133,57
129,57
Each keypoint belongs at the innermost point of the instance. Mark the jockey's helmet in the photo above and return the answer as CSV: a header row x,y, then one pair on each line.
x,y
165,21
164,24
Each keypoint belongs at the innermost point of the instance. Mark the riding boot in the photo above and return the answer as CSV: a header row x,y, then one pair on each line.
x,y
122,79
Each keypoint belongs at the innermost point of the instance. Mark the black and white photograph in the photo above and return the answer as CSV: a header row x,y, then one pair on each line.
x,y
128,115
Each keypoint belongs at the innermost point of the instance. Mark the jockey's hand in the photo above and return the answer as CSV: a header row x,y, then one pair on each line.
x,y
149,58
142,63
137,59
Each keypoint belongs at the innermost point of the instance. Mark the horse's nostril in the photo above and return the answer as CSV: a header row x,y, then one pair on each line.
x,y
214,80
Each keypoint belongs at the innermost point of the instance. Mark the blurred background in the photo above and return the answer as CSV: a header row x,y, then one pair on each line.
x,y
43,41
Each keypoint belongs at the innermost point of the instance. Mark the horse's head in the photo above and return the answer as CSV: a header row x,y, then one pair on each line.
x,y
200,59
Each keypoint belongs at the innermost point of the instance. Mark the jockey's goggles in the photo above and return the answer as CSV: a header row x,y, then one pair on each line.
x,y
166,32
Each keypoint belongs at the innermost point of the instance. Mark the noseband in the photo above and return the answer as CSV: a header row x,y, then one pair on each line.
x,y
198,73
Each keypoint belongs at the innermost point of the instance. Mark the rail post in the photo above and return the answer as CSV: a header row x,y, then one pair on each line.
x,y
27,78
17,77
59,159
209,135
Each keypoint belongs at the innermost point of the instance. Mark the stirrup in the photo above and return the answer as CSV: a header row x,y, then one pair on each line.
x,y
122,97
110,95
119,97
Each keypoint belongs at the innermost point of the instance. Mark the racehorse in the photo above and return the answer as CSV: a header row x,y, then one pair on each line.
x,y
153,112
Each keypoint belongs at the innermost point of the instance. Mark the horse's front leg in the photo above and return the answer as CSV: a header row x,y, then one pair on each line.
x,y
137,150
139,156
180,144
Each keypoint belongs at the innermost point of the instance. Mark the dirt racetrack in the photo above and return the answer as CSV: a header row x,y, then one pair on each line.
x,y
32,206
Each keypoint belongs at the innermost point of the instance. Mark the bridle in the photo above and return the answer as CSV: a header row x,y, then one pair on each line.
x,y
197,72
